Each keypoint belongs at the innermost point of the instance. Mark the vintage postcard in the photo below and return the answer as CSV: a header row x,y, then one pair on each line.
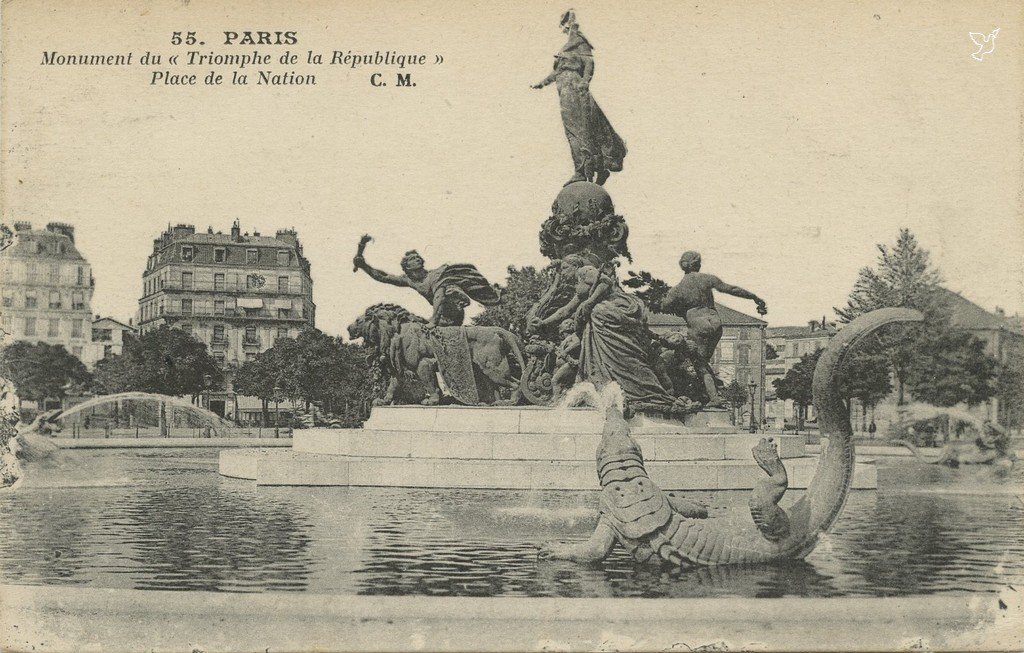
x,y
450,326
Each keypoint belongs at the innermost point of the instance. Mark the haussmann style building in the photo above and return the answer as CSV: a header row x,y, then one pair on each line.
x,y
235,292
46,287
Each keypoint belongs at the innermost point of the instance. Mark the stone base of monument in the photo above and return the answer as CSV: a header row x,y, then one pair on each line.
x,y
523,448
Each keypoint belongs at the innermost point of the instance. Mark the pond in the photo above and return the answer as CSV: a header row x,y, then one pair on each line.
x,y
164,519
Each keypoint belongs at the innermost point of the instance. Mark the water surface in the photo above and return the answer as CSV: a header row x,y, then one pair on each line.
x,y
164,519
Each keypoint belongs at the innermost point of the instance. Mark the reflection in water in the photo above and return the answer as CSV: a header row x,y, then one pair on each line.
x,y
166,520
214,540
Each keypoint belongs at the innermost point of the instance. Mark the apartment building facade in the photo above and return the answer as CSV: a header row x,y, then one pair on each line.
x,y
237,293
46,288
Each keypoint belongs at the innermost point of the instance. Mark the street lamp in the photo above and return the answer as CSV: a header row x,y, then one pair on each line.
x,y
277,411
207,382
753,390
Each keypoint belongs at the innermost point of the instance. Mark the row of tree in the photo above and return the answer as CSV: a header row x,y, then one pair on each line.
x,y
314,368
935,362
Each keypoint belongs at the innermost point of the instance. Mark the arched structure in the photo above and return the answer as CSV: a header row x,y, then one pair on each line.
x,y
165,409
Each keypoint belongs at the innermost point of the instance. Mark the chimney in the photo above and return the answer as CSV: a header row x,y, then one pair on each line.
x,y
181,231
812,325
236,232
289,236
23,226
62,228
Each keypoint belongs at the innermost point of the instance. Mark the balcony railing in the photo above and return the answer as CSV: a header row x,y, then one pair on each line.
x,y
232,314
270,288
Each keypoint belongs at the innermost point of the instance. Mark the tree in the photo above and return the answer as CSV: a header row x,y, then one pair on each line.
x,y
313,368
865,377
770,353
935,360
42,371
1010,389
523,288
953,368
797,385
904,277
163,361
737,396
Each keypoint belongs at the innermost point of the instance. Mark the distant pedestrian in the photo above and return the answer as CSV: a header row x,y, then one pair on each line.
x,y
872,428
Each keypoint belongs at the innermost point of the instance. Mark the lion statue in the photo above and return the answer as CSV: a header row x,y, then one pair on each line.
x,y
405,348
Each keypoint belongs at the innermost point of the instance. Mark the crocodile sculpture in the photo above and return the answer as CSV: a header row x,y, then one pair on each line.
x,y
646,521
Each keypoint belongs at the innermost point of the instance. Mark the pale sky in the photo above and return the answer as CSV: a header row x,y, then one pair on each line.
x,y
782,140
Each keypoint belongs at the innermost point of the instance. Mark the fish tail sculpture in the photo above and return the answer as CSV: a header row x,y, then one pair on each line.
x,y
655,526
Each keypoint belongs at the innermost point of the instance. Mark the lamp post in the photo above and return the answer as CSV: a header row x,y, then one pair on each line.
x,y
277,411
753,390
207,382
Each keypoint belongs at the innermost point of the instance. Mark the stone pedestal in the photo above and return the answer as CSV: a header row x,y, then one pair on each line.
x,y
517,447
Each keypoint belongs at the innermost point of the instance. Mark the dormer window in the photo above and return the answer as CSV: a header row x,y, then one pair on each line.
x,y
220,255
252,256
283,257
188,253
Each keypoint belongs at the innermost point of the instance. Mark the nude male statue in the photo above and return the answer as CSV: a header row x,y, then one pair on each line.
x,y
448,288
693,299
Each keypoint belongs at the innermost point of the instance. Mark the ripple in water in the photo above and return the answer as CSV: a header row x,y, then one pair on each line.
x,y
166,520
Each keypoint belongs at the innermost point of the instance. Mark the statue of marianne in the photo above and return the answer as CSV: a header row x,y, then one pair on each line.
x,y
597,150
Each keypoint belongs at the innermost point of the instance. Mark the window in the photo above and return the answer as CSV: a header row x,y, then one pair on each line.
x,y
160,308
743,378
30,326
76,328
250,356
102,335
77,301
186,280
218,358
218,281
743,355
796,348
33,246
33,273
282,284
54,299
188,253
108,350
8,298
186,307
6,324
53,328
250,333
218,333
218,307
282,332
30,300
54,273
220,255
81,276
252,256
284,313
284,257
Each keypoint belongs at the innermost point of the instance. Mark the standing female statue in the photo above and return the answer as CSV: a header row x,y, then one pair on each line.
x,y
597,150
